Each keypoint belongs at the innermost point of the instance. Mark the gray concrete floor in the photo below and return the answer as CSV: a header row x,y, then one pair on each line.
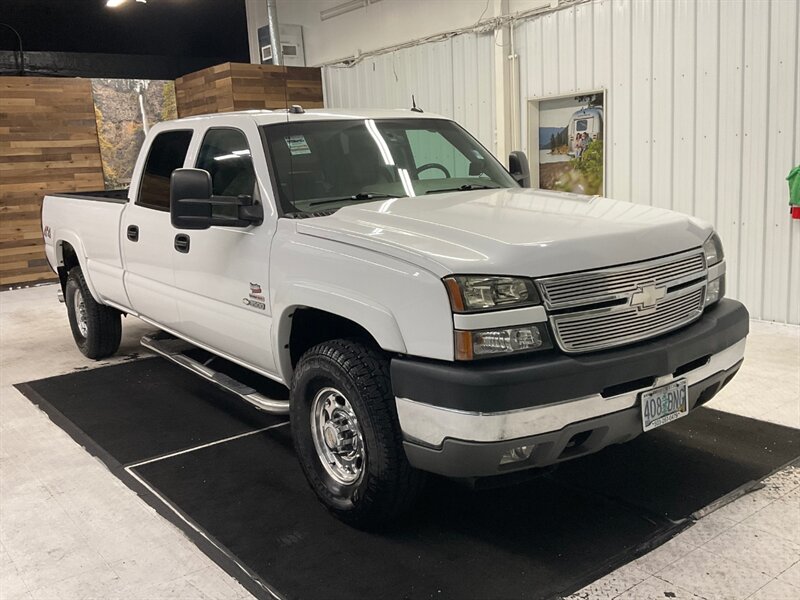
x,y
69,529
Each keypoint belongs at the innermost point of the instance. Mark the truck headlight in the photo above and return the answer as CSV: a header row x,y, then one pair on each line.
x,y
474,293
506,340
713,250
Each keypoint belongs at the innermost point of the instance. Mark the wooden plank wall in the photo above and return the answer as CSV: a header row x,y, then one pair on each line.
x,y
48,143
236,86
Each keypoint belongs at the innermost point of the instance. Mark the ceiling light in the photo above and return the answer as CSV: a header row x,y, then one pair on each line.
x,y
116,3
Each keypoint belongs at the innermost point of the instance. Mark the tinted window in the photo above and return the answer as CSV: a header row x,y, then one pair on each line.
x,y
225,154
581,125
325,165
167,153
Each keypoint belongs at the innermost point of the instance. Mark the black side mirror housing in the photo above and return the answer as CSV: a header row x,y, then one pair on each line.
x,y
191,202
519,168
189,199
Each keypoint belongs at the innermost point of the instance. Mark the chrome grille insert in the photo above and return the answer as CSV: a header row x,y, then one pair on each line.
x,y
595,287
622,305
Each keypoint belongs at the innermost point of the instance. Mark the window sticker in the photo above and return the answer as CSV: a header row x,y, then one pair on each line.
x,y
297,145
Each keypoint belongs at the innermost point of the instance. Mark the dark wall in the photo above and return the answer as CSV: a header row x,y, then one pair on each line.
x,y
159,39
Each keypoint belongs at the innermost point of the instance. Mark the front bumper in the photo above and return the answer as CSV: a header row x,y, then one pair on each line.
x,y
459,420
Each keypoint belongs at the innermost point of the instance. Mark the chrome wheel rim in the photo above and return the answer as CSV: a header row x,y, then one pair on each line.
x,y
337,436
80,314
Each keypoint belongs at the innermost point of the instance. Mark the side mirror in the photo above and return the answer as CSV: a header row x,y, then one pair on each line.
x,y
519,168
190,199
191,203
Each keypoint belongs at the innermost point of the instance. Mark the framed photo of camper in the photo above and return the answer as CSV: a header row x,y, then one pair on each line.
x,y
566,142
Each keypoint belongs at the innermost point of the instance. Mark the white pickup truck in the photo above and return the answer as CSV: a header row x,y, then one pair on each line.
x,y
420,309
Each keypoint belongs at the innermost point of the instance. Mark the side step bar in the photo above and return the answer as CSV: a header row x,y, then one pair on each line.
x,y
173,348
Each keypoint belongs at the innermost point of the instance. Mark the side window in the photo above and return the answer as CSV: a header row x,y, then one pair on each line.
x,y
167,153
431,148
225,154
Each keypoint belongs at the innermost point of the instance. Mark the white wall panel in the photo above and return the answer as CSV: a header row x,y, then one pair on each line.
x,y
619,157
454,78
684,105
641,111
663,109
792,303
703,113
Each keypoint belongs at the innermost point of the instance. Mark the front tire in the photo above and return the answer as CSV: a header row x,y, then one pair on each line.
x,y
347,436
97,329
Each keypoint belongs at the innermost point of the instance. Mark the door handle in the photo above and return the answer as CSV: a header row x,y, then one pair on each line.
x,y
182,243
133,233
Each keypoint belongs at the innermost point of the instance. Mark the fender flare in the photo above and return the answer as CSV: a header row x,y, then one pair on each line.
x,y
70,237
376,319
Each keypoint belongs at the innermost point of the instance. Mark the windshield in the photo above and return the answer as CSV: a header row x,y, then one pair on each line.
x,y
324,165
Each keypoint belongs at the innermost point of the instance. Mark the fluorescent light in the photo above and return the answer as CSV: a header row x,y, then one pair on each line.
x,y
116,3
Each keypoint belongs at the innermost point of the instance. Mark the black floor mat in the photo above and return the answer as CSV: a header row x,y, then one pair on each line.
x,y
540,539
146,408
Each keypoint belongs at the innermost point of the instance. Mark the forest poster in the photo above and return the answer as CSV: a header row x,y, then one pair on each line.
x,y
125,109
571,144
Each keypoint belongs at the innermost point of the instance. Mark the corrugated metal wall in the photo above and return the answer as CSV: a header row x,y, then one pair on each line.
x,y
703,112
454,78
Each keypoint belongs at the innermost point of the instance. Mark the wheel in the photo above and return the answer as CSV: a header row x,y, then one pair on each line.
x,y
347,436
97,329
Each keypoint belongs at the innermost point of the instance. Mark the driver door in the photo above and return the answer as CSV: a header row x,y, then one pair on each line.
x,y
222,273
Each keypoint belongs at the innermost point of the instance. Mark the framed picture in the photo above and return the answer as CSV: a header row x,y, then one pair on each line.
x,y
125,109
566,142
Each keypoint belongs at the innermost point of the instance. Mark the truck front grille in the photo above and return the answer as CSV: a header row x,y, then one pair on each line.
x,y
622,305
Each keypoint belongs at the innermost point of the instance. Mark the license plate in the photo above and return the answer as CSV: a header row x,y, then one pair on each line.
x,y
664,404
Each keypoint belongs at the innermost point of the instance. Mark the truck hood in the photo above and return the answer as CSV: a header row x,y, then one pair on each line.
x,y
510,231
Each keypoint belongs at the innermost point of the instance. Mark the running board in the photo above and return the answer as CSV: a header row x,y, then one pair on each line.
x,y
173,349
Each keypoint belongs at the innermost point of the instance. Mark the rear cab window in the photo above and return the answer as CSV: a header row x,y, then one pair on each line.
x,y
167,153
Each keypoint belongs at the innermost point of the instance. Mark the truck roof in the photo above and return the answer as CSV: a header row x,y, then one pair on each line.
x,y
268,117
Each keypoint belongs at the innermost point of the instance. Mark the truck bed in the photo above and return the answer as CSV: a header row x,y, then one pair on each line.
x,y
90,223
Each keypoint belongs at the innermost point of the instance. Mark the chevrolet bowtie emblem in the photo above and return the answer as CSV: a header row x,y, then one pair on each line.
x,y
647,296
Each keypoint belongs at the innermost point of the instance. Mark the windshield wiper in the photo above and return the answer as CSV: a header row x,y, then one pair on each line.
x,y
465,188
358,196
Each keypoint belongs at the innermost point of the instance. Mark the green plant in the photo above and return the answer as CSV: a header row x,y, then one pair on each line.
x,y
591,167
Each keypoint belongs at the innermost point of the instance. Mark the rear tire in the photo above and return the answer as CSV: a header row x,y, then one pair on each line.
x,y
97,329
347,436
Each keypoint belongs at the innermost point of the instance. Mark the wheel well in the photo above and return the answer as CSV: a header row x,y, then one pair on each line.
x,y
69,259
311,326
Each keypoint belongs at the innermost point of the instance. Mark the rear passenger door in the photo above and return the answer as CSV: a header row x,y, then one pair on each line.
x,y
147,236
222,279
